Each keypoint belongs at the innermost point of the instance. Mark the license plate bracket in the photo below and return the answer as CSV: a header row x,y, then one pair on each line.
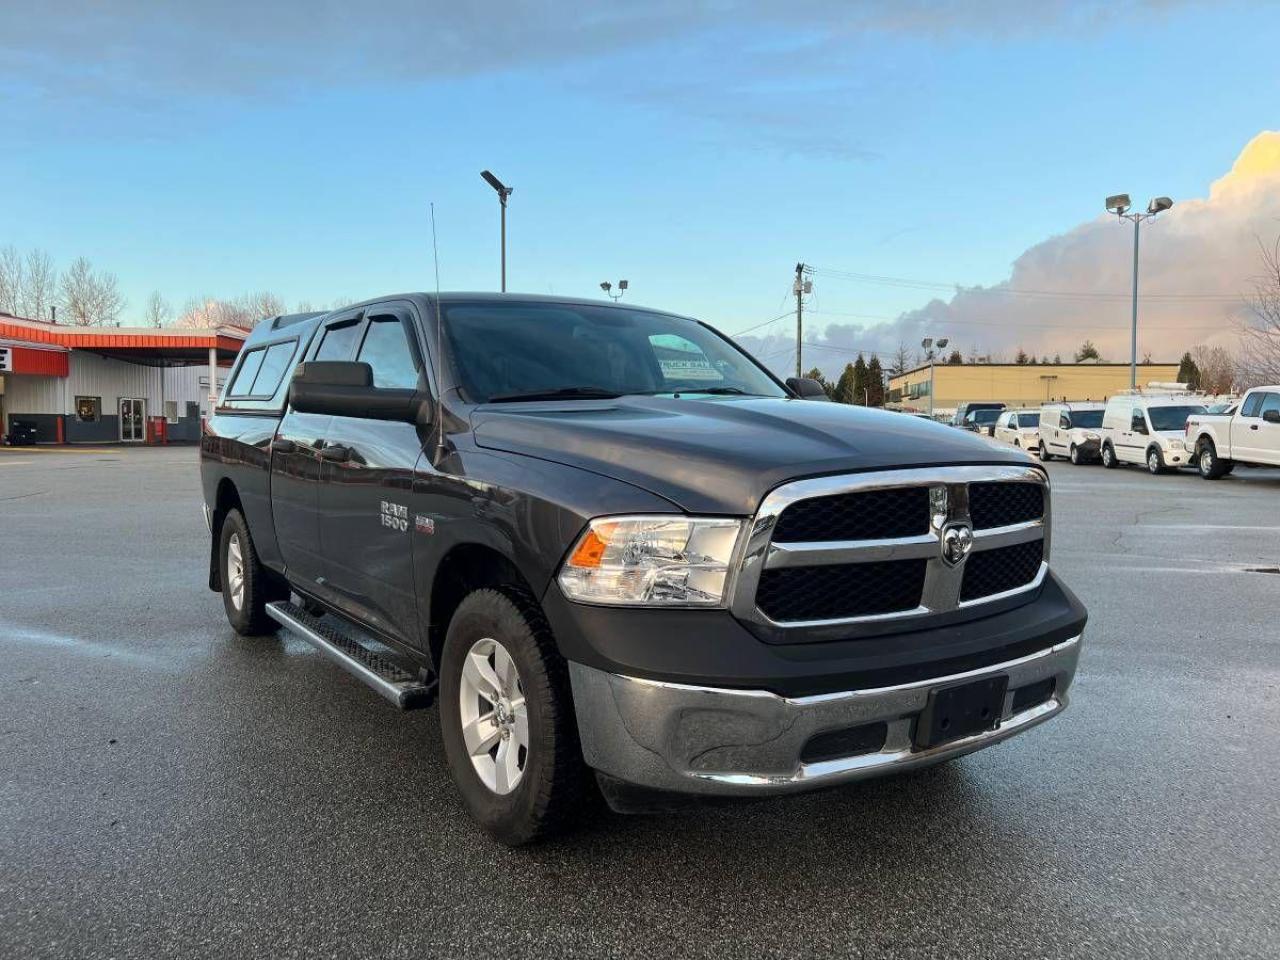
x,y
961,710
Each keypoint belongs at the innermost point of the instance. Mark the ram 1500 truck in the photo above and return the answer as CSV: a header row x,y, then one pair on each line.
x,y
623,557
1250,434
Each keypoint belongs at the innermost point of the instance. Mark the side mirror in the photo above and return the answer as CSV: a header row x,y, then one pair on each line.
x,y
807,389
344,388
1138,426
1271,416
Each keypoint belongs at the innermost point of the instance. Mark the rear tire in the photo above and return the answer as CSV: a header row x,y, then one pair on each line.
x,y
1208,464
1109,457
506,717
247,586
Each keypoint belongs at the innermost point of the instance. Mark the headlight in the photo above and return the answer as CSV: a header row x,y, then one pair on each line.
x,y
1092,436
652,561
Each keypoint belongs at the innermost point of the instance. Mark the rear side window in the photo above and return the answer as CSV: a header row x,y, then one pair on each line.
x,y
274,364
242,386
1271,401
1252,405
339,342
386,349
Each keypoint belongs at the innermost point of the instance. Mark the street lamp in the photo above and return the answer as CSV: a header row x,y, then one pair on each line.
x,y
503,192
1119,205
607,287
927,342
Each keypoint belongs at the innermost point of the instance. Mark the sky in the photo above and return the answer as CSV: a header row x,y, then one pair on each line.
x,y
909,152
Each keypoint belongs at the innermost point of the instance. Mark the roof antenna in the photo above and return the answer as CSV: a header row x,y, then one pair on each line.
x,y
439,362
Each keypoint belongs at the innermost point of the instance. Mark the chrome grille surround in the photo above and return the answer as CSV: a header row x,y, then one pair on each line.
x,y
949,505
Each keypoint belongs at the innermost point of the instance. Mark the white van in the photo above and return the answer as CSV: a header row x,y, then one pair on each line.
x,y
1146,428
1019,428
1071,430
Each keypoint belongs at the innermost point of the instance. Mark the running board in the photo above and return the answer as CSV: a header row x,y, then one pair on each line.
x,y
386,677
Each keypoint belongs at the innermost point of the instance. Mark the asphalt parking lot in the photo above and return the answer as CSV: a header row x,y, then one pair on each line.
x,y
170,789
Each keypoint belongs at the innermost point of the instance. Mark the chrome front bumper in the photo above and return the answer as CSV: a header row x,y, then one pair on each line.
x,y
708,740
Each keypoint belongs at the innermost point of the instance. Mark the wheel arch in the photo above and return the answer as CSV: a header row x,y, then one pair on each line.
x,y
226,499
467,567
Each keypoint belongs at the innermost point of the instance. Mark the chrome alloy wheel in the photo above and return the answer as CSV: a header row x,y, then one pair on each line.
x,y
495,719
235,571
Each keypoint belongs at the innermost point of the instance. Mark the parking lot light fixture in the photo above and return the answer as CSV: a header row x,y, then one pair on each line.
x,y
503,192
1119,204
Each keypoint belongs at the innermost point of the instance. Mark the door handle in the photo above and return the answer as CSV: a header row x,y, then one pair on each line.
x,y
281,445
335,452
1253,426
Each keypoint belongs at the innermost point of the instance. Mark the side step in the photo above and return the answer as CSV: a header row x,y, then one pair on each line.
x,y
388,678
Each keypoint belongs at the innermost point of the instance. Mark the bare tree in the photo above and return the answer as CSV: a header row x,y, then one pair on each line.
x,y
39,285
11,274
1216,367
91,298
261,305
900,360
1260,332
158,310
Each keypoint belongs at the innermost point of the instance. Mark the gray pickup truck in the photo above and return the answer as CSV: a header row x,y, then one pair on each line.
x,y
623,557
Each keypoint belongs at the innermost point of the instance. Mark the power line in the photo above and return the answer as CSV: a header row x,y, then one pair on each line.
x,y
1011,324
781,316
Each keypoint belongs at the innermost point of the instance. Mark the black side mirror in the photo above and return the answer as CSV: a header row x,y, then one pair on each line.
x,y
1138,426
1271,416
344,388
807,389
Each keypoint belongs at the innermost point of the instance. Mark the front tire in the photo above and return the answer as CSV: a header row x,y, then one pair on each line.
x,y
506,716
247,586
1074,455
1155,461
1045,455
1109,457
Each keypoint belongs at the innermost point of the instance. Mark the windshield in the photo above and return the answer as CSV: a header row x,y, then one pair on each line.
x,y
1171,418
1086,419
513,351
1028,420
983,417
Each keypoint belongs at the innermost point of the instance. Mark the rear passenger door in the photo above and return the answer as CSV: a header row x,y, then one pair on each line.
x,y
366,515
295,466
1246,428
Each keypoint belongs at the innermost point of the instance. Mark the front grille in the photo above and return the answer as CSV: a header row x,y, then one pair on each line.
x,y
837,592
1005,568
1002,504
871,515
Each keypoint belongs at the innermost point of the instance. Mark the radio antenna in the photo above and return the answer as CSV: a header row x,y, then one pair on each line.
x,y
439,360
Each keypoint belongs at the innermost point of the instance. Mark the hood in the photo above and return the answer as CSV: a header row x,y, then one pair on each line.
x,y
722,455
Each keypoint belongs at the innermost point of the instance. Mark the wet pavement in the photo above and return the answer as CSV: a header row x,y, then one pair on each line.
x,y
170,789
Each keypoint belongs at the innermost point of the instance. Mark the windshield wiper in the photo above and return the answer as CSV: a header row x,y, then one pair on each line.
x,y
735,391
564,393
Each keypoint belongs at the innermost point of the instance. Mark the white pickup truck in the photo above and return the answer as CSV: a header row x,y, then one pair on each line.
x,y
1250,433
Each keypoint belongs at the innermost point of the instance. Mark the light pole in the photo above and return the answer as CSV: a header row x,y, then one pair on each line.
x,y
607,287
927,343
503,192
1119,205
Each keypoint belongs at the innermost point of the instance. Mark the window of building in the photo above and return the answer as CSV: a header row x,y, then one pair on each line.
x,y
88,409
386,349
171,411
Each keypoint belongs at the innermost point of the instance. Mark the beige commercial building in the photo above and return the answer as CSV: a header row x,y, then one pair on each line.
x,y
1016,384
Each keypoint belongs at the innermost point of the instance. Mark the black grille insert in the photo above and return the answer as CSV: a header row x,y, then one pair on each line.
x,y
1032,695
1001,504
1005,568
849,742
865,515
836,592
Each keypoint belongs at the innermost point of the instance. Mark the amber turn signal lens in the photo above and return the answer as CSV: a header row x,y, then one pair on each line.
x,y
591,548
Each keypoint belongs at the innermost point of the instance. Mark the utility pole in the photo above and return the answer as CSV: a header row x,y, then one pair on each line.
x,y
801,286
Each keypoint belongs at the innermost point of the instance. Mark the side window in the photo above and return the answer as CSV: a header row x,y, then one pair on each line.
x,y
1064,422
1137,420
386,349
339,341
1271,401
242,386
1013,422
273,367
1252,405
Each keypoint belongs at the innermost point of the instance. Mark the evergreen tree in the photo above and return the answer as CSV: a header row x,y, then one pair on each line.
x,y
844,386
1057,358
1021,359
1189,372
1087,351
956,358
875,382
816,374
859,380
